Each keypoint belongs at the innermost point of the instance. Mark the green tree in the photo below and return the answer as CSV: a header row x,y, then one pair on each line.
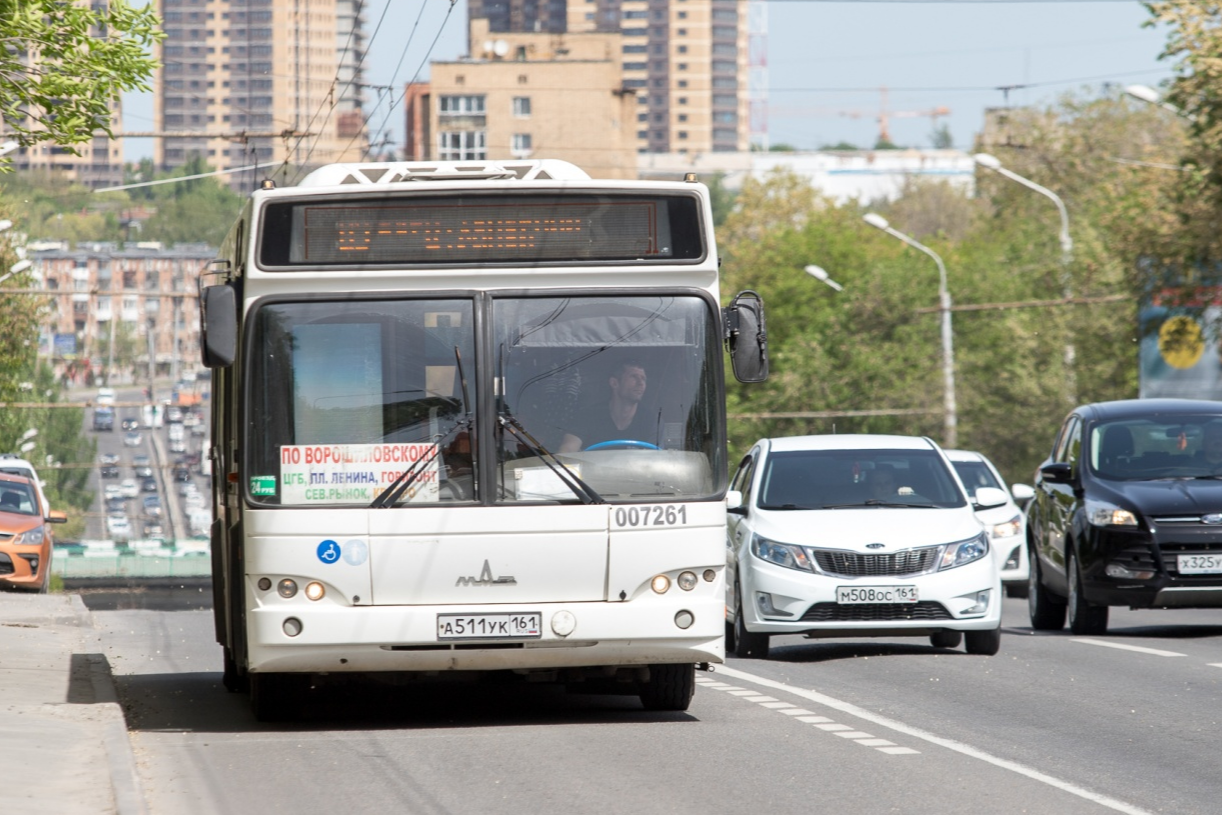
x,y
64,64
940,137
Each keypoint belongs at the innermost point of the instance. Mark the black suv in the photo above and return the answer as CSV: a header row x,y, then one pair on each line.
x,y
1127,512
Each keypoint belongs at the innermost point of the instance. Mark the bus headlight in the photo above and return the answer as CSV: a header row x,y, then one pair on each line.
x,y
292,626
315,590
686,580
660,584
287,588
684,619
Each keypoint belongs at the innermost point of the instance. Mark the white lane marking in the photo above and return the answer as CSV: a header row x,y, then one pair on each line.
x,y
876,742
743,692
1123,647
854,734
774,705
898,751
949,744
760,699
1214,664
797,711
813,719
833,727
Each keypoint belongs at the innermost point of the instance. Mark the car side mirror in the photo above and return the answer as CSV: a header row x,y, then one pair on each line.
x,y
1059,473
56,516
734,503
1022,492
989,497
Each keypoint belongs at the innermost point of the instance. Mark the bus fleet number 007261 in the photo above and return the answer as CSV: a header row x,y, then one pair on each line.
x,y
656,515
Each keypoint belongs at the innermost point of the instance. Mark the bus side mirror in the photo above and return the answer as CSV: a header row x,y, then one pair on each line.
x,y
219,318
745,337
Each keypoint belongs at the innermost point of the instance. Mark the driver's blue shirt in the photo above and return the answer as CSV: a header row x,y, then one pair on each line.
x,y
594,426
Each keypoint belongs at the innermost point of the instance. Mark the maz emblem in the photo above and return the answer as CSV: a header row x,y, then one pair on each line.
x,y
486,579
1212,518
874,546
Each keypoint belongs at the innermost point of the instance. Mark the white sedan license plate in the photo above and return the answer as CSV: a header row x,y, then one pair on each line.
x,y
1199,564
860,595
520,625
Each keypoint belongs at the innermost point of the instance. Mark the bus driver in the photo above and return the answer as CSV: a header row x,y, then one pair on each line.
x,y
620,419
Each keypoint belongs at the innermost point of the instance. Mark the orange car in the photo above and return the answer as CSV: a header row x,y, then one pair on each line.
x,y
25,538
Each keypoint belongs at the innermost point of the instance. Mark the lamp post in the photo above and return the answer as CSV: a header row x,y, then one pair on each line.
x,y
948,348
1150,96
818,273
993,163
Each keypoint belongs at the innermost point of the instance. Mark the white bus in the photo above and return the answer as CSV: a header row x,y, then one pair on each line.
x,y
470,417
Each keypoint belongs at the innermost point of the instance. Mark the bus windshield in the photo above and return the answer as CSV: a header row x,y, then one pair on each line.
x,y
622,390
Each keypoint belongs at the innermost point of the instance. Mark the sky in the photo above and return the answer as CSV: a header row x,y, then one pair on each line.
x,y
827,61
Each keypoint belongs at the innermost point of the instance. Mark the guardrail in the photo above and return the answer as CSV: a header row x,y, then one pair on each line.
x,y
134,558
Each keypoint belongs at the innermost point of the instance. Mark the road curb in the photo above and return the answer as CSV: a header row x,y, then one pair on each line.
x,y
121,759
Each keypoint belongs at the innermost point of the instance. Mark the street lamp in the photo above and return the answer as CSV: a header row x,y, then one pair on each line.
x,y
948,348
818,273
993,163
1150,96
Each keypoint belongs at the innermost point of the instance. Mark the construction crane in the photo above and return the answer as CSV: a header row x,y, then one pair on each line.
x,y
883,116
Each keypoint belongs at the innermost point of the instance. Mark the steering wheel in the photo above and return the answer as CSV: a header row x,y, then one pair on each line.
x,y
623,444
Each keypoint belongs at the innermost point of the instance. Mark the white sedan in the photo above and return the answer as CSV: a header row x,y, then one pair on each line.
x,y
857,535
118,527
1006,524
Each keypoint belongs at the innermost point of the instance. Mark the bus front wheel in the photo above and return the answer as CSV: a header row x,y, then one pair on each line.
x,y
669,687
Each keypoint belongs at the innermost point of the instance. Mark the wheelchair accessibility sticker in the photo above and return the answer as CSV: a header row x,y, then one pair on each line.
x,y
328,551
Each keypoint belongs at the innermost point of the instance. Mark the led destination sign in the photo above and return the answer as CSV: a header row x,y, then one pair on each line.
x,y
573,228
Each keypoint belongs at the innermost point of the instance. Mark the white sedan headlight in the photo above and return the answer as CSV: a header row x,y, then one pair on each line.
x,y
964,552
781,554
1102,513
1007,529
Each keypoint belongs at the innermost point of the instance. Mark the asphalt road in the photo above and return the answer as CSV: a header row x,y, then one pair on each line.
x,y
153,443
1053,724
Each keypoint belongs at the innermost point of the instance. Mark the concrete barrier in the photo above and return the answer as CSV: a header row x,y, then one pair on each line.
x,y
135,558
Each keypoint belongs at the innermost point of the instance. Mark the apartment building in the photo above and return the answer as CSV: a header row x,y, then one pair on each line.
x,y
125,294
687,60
522,95
237,74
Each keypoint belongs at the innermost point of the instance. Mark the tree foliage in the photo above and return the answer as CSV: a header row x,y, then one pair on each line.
x,y
63,64
870,354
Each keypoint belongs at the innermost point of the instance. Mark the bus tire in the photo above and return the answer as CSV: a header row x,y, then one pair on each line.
x,y
669,687
234,680
277,697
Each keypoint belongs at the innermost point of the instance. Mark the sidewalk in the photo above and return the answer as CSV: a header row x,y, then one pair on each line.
x,y
63,739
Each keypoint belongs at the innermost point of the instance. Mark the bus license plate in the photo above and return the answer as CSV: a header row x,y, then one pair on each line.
x,y
859,595
501,626
1199,564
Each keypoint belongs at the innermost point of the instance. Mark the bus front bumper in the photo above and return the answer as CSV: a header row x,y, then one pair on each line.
x,y
320,638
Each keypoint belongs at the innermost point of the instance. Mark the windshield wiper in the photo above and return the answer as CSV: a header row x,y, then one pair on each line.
x,y
571,480
394,491
789,506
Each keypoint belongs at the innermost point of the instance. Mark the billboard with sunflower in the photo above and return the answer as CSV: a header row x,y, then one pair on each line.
x,y
1180,352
